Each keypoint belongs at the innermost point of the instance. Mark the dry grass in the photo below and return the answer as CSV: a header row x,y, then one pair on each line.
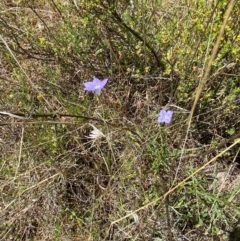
x,y
138,181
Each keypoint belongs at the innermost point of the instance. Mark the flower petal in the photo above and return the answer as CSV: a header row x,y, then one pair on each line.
x,y
89,86
168,116
96,81
97,91
95,85
104,82
161,117
165,116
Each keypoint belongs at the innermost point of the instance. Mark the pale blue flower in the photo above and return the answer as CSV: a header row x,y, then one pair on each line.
x,y
165,116
95,85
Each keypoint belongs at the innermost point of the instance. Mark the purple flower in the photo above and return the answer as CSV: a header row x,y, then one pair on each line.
x,y
165,116
95,85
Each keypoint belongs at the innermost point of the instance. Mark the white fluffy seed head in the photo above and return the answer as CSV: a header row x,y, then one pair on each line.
x,y
95,133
